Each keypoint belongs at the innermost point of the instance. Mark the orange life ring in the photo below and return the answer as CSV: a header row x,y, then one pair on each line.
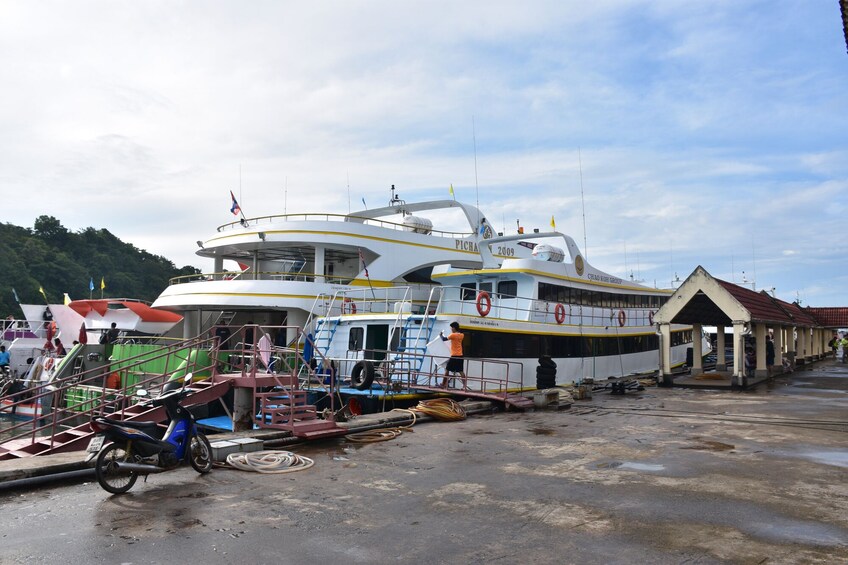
x,y
651,317
348,306
484,303
559,313
622,317
48,364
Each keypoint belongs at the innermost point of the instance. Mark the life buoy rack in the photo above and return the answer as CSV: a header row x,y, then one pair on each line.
x,y
559,313
362,375
651,317
622,317
348,306
484,303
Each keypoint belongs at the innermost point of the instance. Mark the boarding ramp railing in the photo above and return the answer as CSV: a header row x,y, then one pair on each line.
x,y
61,408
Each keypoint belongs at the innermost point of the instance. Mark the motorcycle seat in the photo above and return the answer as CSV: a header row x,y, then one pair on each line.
x,y
150,428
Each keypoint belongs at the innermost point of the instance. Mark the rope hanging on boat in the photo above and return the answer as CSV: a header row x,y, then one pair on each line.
x,y
444,409
269,461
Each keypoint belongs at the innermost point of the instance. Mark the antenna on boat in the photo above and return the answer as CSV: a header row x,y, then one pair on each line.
x,y
583,203
348,192
476,184
286,197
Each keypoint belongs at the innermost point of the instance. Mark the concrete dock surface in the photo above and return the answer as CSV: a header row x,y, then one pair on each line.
x,y
658,476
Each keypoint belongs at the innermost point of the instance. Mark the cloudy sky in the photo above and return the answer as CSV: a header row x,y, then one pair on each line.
x,y
708,133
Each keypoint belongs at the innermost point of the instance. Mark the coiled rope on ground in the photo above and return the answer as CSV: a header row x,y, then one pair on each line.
x,y
272,461
444,409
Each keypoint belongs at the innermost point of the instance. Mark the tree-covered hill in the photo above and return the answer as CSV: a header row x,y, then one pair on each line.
x,y
60,261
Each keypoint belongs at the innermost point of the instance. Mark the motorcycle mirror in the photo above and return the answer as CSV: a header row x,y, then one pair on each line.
x,y
142,392
187,378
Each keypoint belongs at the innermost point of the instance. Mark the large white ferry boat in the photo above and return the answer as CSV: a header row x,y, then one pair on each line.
x,y
292,265
512,312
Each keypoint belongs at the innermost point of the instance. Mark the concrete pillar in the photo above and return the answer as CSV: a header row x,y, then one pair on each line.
x,y
665,354
761,371
242,409
720,346
697,349
778,349
791,347
801,345
738,379
319,263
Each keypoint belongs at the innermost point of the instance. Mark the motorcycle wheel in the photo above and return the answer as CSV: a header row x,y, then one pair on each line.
x,y
107,475
200,453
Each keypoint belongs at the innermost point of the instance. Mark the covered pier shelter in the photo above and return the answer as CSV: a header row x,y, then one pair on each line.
x,y
703,300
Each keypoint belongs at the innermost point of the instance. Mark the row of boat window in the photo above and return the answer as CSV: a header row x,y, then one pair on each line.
x,y
516,346
520,345
568,295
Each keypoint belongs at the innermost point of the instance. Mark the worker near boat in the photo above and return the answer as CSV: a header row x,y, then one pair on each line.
x,y
456,364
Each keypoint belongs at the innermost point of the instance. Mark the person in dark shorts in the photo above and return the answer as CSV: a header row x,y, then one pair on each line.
x,y
455,364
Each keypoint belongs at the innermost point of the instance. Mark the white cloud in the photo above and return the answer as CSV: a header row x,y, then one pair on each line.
x,y
701,141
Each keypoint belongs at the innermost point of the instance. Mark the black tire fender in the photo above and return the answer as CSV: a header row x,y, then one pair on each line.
x,y
362,375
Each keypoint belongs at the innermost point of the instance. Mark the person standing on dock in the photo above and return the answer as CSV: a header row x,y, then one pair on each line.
x,y
455,364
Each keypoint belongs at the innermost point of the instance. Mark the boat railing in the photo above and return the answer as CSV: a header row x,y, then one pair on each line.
x,y
458,301
14,329
73,399
259,275
395,371
277,218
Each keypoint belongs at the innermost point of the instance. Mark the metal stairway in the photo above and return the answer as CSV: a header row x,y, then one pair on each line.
x,y
76,438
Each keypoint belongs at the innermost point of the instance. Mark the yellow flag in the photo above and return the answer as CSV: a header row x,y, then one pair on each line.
x,y
102,283
67,299
41,290
451,191
553,223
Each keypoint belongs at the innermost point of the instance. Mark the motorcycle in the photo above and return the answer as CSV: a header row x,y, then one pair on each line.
x,y
140,448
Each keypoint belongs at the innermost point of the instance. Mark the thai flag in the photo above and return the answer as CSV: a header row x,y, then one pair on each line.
x,y
235,209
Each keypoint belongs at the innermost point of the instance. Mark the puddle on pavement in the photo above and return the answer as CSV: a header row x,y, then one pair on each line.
x,y
836,458
630,465
642,466
792,531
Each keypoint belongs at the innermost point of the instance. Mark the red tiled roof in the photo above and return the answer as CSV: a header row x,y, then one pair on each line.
x,y
763,308
830,317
